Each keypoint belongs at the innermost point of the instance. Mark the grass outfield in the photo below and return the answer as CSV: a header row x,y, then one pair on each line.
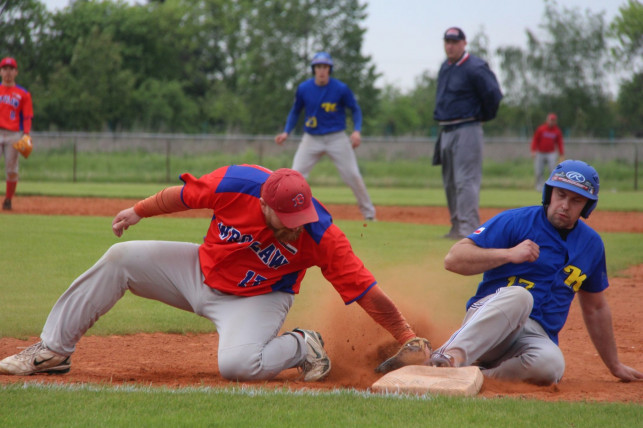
x,y
86,405
48,252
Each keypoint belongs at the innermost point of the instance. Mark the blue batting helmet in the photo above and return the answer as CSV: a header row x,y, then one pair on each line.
x,y
575,176
321,58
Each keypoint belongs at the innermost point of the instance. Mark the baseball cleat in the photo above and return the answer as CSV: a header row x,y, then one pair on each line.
x,y
441,360
35,359
317,364
6,205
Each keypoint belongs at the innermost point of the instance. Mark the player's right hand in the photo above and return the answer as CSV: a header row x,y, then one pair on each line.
x,y
123,220
279,139
526,251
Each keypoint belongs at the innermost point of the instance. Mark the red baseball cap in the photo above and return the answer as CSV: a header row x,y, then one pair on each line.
x,y
288,194
8,61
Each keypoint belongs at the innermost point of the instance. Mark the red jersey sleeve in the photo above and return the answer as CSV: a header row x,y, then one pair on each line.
x,y
341,267
199,192
27,113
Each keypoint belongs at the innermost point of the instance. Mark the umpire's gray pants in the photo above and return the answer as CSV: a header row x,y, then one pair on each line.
x,y
498,334
338,147
461,154
170,272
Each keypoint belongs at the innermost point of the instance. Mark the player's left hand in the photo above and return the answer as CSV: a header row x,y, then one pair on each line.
x,y
627,374
279,139
356,139
123,220
416,351
24,145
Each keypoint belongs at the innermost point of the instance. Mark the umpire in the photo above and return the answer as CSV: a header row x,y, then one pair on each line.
x,y
468,94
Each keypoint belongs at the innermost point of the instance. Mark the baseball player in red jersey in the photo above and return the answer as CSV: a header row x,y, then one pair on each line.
x,y
16,113
546,140
266,230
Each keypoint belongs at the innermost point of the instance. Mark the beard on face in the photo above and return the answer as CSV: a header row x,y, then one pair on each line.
x,y
287,235
282,233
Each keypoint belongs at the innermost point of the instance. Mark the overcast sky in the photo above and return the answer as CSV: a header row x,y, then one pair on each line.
x,y
404,37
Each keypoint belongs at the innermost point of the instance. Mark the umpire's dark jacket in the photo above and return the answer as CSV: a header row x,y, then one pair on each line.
x,y
467,89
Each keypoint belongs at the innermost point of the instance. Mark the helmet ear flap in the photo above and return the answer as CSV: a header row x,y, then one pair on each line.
x,y
589,207
312,69
546,194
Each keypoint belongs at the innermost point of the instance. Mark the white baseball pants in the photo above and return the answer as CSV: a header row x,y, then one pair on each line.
x,y
249,348
7,138
498,335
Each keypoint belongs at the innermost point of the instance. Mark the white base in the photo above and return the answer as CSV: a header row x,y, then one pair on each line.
x,y
461,381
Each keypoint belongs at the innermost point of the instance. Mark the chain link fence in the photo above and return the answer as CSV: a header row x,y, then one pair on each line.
x,y
263,147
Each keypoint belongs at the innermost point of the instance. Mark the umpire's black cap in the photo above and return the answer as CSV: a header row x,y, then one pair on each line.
x,y
454,33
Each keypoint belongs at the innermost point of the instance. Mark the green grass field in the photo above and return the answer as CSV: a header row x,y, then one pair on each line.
x,y
43,254
88,405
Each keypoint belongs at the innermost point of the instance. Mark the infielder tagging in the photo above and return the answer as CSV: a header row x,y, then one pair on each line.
x,y
266,230
16,112
535,261
325,100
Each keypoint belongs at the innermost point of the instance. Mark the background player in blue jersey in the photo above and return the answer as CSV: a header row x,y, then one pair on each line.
x,y
535,261
325,101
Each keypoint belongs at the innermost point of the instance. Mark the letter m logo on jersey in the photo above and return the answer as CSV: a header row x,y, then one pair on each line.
x,y
575,277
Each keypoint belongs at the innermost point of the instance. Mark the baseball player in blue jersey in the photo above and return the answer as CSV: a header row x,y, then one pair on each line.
x,y
535,261
325,100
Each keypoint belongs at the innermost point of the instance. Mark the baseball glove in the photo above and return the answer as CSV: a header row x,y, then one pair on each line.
x,y
24,146
416,351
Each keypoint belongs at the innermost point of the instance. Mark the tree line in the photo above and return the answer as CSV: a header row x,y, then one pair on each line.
x,y
232,66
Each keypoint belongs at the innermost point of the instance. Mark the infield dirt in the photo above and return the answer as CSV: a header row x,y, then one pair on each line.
x,y
178,360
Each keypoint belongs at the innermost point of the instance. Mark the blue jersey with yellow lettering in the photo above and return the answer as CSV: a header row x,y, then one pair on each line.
x,y
563,267
325,107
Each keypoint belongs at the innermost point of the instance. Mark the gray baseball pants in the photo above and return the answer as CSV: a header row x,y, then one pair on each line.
x,y
498,335
542,160
7,138
170,272
338,147
462,175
